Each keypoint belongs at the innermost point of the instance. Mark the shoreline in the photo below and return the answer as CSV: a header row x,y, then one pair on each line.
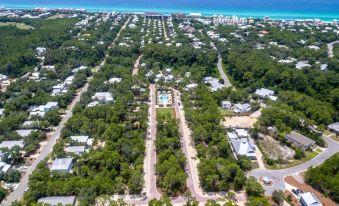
x,y
282,15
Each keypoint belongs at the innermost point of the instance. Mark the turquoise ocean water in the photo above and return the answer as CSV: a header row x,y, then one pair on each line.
x,y
279,9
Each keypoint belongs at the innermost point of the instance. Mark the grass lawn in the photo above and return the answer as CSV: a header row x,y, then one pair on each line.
x,y
225,113
308,156
166,111
18,25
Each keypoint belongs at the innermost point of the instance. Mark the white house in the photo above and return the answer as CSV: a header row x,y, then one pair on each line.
x,y
85,140
191,86
242,133
62,165
103,96
4,167
226,105
262,93
309,199
75,149
25,132
241,108
244,147
114,80
58,200
11,144
334,127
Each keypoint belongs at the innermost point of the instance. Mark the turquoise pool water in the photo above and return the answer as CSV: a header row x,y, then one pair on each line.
x,y
164,98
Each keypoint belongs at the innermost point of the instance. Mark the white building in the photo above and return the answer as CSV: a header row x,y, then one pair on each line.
x,y
85,140
62,165
191,86
75,149
243,147
226,105
11,144
242,108
266,93
103,96
58,200
309,199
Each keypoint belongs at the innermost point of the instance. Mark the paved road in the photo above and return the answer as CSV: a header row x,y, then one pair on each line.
x,y
136,66
17,194
277,176
330,48
151,156
164,29
221,70
193,181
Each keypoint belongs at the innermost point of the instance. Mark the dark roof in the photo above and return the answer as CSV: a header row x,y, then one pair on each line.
x,y
301,139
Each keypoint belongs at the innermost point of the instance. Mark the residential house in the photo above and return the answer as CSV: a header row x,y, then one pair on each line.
x,y
265,93
4,167
242,133
62,165
242,108
25,132
83,140
58,200
299,140
75,149
12,143
103,96
81,68
191,86
243,147
42,109
309,199
232,135
334,127
30,124
226,105
114,80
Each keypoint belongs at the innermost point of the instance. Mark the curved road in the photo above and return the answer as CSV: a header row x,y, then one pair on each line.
x,y
277,176
330,48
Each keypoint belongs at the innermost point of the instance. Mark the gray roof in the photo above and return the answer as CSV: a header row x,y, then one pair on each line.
x,y
334,126
301,139
243,147
310,199
264,92
10,144
61,164
75,149
56,200
80,139
24,132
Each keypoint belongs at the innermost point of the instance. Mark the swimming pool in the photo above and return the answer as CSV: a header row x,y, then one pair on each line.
x,y
164,99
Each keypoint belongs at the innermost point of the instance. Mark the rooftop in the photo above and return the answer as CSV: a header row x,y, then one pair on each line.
x,y
301,139
310,199
10,144
61,164
56,200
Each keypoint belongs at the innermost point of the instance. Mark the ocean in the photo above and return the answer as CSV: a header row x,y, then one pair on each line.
x,y
326,10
